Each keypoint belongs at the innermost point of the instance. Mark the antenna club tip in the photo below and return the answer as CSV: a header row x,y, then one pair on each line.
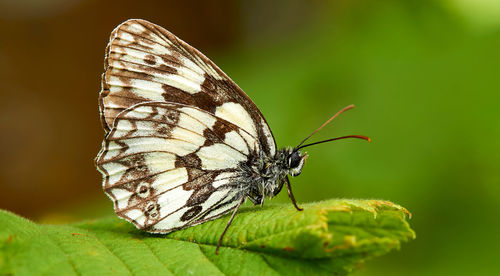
x,y
366,138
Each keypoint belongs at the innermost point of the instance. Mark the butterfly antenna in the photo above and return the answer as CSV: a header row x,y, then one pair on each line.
x,y
324,124
337,138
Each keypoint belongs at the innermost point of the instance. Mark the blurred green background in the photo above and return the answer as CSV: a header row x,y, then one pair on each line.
x,y
424,76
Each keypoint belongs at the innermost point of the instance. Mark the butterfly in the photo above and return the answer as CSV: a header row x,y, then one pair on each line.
x,y
184,144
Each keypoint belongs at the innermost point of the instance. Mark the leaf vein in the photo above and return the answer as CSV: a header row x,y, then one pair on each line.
x,y
114,254
262,256
64,252
157,257
204,254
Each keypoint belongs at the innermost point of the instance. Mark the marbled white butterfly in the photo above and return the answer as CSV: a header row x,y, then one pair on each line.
x,y
184,144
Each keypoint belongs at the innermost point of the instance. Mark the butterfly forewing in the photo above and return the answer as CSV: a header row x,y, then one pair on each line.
x,y
145,62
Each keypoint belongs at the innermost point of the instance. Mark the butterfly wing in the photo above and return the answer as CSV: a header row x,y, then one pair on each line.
x,y
145,62
167,165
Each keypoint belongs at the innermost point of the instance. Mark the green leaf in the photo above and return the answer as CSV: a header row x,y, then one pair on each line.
x,y
329,237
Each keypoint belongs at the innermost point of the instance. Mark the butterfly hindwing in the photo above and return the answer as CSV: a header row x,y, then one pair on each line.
x,y
168,165
145,62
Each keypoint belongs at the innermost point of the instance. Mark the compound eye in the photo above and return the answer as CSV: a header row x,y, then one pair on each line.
x,y
295,160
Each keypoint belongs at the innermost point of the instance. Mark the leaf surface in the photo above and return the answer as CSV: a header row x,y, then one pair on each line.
x,y
328,237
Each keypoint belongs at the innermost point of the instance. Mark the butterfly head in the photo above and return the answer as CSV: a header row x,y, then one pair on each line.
x,y
295,162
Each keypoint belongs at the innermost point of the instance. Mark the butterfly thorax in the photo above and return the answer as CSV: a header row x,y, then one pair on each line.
x,y
265,175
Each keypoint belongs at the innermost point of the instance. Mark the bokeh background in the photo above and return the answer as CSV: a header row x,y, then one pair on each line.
x,y
423,74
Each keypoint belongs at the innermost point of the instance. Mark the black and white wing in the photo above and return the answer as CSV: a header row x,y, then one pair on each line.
x,y
177,130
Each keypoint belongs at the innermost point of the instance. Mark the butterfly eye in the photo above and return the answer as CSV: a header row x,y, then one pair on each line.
x,y
294,160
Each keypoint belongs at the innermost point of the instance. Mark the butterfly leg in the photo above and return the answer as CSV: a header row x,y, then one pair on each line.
x,y
290,194
229,223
